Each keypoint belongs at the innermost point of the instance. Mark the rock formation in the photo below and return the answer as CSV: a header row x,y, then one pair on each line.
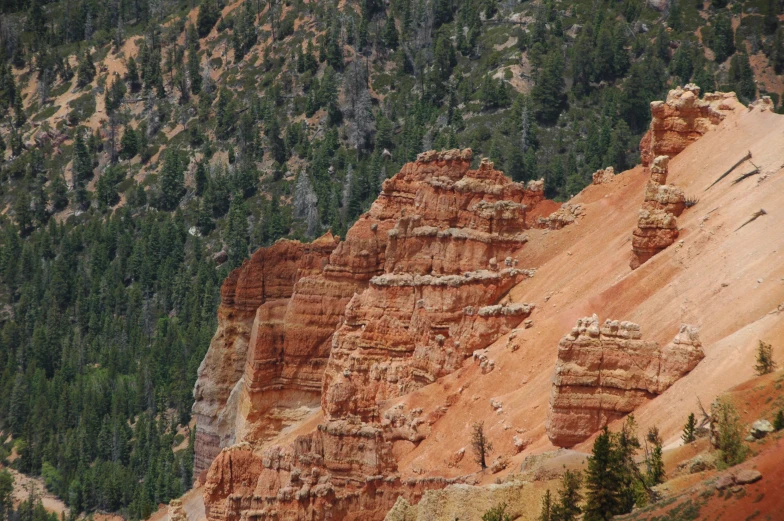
x,y
682,119
601,177
255,303
657,223
428,267
605,372
565,215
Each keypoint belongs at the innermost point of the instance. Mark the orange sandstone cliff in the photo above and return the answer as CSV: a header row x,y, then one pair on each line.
x,y
428,267
351,393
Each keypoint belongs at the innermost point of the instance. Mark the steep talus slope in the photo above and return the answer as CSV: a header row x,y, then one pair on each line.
x,y
727,283
404,335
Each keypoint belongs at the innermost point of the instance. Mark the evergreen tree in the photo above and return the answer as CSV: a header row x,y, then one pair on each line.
x,y
567,508
778,422
82,161
689,430
172,181
546,513
236,238
200,178
655,463
129,143
58,193
723,42
207,17
23,214
85,73
765,363
548,92
390,34
741,77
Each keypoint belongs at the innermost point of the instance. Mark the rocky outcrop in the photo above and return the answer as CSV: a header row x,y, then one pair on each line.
x,y
605,372
601,177
682,119
657,223
565,215
428,267
254,306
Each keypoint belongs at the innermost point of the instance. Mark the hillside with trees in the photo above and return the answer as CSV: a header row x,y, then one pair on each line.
x,y
150,146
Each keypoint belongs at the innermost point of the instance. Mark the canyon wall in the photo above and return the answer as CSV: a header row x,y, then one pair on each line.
x,y
255,299
605,372
428,268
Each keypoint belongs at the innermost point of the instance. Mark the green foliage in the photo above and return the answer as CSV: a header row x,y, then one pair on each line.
x,y
741,77
689,430
722,42
765,363
497,513
208,16
729,430
546,512
612,476
567,507
778,422
118,326
653,458
172,180
548,92
85,73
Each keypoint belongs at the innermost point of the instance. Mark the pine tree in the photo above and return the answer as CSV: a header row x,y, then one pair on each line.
x,y
390,35
23,214
481,446
82,161
85,73
723,41
132,75
129,143
778,423
58,193
546,513
548,92
730,433
208,16
200,178
689,430
172,181
741,77
765,363
236,238
655,463
567,508
602,481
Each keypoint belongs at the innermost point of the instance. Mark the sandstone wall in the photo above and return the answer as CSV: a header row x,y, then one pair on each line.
x,y
605,372
427,268
254,299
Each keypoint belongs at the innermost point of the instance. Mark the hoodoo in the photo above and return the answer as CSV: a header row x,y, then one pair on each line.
x,y
605,372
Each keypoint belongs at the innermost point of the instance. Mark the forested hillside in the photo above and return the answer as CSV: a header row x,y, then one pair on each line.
x,y
150,145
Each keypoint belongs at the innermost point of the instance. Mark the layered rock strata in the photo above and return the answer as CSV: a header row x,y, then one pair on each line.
x,y
605,372
657,221
682,119
432,262
255,310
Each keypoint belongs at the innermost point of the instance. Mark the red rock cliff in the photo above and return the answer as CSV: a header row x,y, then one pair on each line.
x,y
428,267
